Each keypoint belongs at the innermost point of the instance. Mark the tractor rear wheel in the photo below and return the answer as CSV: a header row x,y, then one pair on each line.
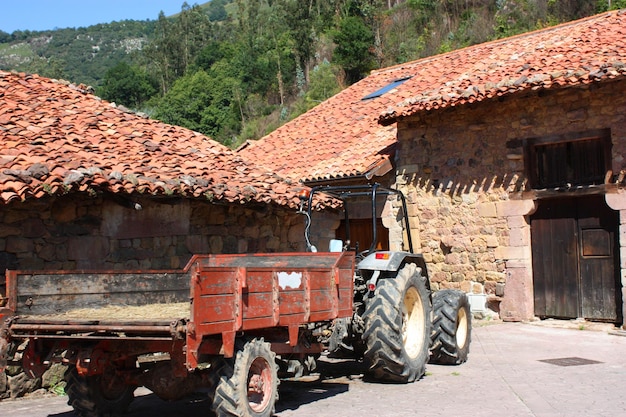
x,y
99,395
249,386
397,327
452,327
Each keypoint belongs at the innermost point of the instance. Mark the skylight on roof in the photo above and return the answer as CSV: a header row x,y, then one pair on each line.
x,y
386,88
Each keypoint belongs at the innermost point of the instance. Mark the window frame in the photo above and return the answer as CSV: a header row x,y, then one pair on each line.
x,y
532,163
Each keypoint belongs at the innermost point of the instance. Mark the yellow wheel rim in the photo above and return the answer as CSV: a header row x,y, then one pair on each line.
x,y
461,329
412,323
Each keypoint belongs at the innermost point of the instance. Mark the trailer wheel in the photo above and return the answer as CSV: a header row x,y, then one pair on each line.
x,y
397,327
452,327
97,396
250,387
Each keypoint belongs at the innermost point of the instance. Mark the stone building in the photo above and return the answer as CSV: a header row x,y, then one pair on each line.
x,y
513,158
512,155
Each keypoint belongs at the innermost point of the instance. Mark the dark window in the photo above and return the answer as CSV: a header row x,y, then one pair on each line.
x,y
570,160
386,88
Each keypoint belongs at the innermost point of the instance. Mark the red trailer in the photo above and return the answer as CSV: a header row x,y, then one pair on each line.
x,y
219,323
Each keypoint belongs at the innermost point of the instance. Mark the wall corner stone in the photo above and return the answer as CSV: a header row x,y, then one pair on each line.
x,y
487,210
515,208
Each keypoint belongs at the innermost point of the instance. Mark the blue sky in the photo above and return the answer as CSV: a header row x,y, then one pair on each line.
x,y
50,14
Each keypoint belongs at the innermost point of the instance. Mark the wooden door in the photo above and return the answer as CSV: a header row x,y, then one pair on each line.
x,y
554,248
575,259
599,260
362,233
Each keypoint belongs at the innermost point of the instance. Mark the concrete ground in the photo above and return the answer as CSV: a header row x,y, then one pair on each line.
x,y
548,369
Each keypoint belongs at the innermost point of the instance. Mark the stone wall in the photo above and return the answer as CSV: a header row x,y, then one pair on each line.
x,y
463,172
108,233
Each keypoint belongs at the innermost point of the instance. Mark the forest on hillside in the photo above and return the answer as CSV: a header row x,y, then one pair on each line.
x,y
237,69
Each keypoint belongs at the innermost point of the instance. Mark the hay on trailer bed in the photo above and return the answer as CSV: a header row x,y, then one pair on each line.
x,y
169,311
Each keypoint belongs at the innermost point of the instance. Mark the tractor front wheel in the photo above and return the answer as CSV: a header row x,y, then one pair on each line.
x,y
397,327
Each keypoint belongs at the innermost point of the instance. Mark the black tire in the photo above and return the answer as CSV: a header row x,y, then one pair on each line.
x,y
452,327
249,387
97,396
397,328
296,368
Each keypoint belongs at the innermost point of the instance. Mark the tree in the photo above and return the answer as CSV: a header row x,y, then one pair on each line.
x,y
209,55
324,84
216,11
354,42
203,103
52,67
604,5
185,101
176,43
303,25
127,85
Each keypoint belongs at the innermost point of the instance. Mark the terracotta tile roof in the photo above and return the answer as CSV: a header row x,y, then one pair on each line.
x,y
57,138
338,138
580,52
342,136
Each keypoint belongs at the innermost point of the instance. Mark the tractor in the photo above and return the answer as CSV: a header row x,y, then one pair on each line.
x,y
398,324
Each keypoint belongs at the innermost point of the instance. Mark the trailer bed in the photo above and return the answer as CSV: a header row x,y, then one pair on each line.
x,y
206,304
69,294
120,313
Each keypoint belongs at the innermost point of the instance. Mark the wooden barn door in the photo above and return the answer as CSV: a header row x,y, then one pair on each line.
x,y
599,259
575,259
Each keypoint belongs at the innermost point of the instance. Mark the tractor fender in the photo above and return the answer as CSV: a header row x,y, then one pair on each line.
x,y
392,261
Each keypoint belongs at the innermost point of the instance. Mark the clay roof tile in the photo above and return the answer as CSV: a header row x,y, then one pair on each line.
x,y
56,138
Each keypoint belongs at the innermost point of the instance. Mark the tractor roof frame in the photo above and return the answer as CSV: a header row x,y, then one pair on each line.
x,y
347,192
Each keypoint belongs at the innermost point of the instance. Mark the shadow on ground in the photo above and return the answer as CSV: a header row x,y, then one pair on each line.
x,y
332,378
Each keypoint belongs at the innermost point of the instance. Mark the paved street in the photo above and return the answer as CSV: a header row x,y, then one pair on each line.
x,y
514,369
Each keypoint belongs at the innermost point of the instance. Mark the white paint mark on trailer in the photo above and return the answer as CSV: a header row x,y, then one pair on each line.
x,y
288,280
